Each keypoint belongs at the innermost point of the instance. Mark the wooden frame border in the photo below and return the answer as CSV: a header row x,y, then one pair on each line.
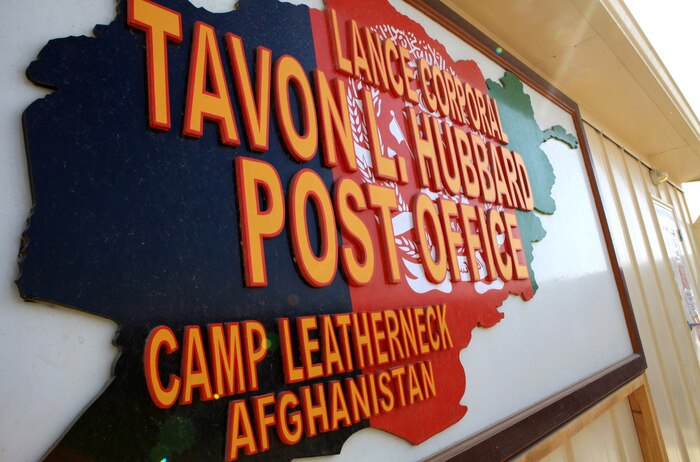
x,y
646,422
510,437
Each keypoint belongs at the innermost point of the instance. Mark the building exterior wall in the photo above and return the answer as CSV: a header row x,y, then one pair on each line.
x,y
612,436
673,374
673,368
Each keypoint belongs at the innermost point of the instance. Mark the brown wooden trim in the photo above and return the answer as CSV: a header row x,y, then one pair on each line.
x,y
545,447
647,424
510,437
514,435
645,420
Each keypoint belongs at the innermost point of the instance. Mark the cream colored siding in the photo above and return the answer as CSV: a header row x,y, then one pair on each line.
x,y
673,374
625,432
611,436
673,369
633,256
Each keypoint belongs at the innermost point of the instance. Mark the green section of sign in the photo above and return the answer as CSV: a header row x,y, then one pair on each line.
x,y
559,133
526,137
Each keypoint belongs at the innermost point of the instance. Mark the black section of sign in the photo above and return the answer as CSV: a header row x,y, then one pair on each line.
x,y
141,226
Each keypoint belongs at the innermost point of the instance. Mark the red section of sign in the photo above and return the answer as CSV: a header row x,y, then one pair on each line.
x,y
351,42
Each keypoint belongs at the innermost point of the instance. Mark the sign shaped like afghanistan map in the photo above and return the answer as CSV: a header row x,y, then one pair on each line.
x,y
297,217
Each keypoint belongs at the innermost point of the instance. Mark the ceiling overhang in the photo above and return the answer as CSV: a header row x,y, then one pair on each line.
x,y
595,52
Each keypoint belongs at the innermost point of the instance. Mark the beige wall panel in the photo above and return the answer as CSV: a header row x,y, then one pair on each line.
x,y
560,454
610,437
686,388
611,179
626,433
624,247
597,442
644,299
626,190
658,316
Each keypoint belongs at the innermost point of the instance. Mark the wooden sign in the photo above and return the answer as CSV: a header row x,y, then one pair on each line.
x,y
301,218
